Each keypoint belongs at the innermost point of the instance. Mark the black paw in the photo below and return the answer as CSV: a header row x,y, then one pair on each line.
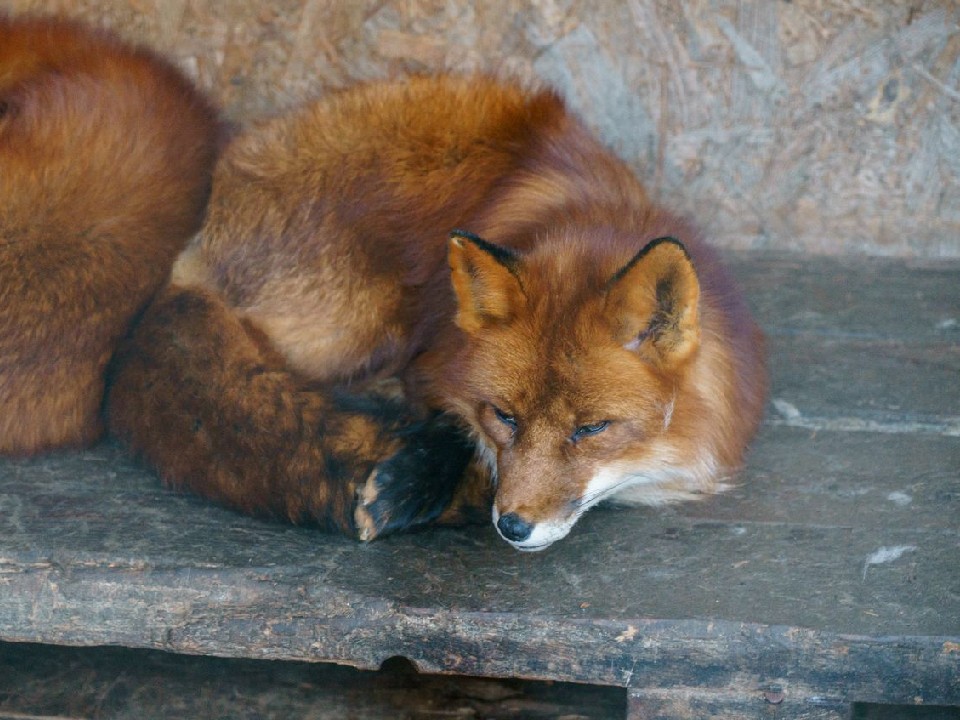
x,y
414,486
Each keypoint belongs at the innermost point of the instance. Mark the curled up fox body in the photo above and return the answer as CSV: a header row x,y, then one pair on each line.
x,y
409,302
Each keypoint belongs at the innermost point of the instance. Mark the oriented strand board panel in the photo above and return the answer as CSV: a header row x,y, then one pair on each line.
x,y
830,126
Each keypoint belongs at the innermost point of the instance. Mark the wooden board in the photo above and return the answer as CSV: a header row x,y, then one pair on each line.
x,y
43,682
830,574
39,681
827,126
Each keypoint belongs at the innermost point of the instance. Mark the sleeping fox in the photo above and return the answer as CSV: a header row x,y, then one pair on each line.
x,y
428,301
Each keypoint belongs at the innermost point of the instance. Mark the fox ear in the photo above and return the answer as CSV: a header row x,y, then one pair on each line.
x,y
653,302
484,280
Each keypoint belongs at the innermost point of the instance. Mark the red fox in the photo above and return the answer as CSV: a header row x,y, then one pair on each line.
x,y
425,301
561,340
106,154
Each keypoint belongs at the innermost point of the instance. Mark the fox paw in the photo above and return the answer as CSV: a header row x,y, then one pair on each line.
x,y
415,485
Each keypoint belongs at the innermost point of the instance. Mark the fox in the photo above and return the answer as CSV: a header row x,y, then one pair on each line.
x,y
106,160
435,300
426,301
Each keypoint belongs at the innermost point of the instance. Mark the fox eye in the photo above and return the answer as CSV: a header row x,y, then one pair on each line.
x,y
506,418
587,430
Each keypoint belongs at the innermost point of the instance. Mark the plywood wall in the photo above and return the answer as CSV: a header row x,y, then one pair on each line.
x,y
830,126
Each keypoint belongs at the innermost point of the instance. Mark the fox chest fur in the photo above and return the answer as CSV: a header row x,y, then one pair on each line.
x,y
473,239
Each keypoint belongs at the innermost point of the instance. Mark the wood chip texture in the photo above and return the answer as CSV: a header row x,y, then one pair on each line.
x,y
826,126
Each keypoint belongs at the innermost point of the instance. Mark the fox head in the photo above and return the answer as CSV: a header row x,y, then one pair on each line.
x,y
568,373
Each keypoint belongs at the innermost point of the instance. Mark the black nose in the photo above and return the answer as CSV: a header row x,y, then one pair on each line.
x,y
514,528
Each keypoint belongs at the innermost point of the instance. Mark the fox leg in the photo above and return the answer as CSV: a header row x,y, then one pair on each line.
x,y
394,486
203,397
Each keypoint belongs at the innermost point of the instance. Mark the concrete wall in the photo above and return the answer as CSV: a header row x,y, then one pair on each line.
x,y
827,126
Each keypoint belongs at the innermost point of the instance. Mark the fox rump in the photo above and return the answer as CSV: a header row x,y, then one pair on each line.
x,y
106,153
410,302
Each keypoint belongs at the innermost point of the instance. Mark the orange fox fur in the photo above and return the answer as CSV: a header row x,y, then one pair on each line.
x,y
558,338
105,161
584,355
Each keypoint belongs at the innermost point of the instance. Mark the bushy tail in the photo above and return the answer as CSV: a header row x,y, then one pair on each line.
x,y
201,396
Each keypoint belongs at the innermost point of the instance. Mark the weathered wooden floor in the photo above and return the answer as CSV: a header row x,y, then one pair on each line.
x,y
829,576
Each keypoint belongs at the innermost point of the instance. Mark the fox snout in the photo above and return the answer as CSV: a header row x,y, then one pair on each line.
x,y
530,522
536,501
529,535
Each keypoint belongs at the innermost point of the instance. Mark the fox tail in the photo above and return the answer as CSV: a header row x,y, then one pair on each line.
x,y
201,395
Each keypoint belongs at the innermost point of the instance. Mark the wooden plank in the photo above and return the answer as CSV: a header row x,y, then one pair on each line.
x,y
38,682
855,385
77,522
58,683
769,599
792,702
852,297
859,344
870,711
832,566
810,478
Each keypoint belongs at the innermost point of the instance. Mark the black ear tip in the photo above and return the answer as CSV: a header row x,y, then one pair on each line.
x,y
666,240
504,256
646,250
458,234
